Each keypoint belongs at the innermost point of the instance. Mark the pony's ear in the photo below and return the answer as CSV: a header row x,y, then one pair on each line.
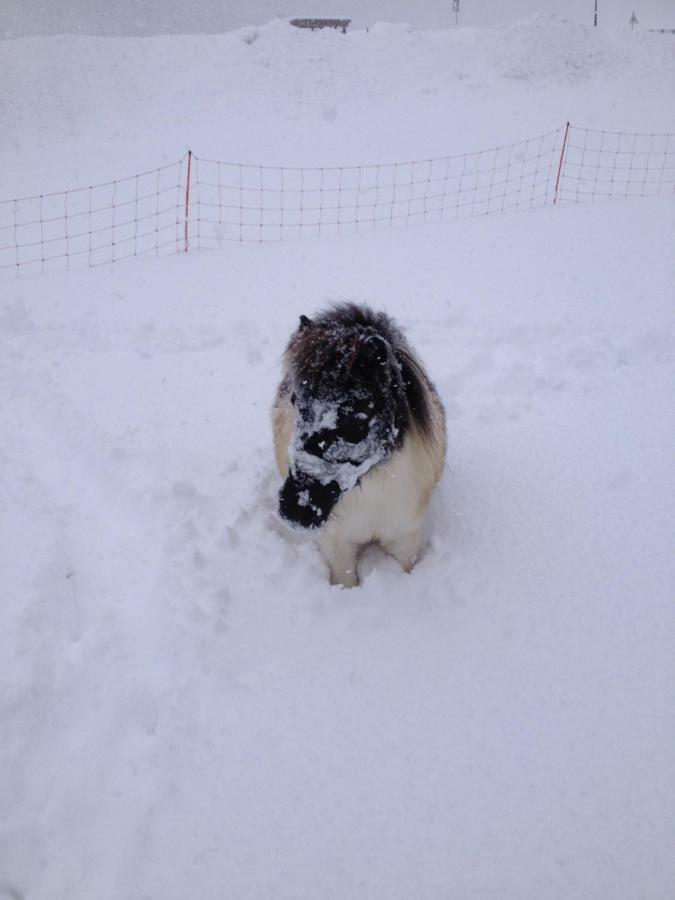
x,y
375,347
304,322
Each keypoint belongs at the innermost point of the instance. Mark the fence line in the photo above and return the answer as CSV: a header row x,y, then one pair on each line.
x,y
102,223
246,203
203,203
617,164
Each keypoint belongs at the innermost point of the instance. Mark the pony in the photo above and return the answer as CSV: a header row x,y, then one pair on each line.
x,y
359,437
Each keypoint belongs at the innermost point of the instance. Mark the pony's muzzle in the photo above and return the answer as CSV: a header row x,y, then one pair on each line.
x,y
306,503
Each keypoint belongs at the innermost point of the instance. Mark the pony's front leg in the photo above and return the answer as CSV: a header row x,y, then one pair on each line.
x,y
405,549
341,558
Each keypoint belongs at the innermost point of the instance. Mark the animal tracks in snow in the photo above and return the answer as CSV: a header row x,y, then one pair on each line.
x,y
215,549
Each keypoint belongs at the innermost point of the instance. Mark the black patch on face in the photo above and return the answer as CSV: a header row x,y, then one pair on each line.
x,y
307,503
352,428
361,421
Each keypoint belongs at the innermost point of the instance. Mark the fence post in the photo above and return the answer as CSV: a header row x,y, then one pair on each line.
x,y
560,164
187,199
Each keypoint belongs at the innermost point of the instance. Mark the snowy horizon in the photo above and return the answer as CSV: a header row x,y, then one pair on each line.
x,y
21,18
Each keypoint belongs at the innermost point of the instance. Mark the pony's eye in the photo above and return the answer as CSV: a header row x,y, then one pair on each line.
x,y
354,430
293,399
319,442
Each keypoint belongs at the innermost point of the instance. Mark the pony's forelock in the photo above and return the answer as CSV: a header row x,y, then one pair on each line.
x,y
344,339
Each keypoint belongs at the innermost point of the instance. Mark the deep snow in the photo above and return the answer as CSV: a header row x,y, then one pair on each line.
x,y
188,709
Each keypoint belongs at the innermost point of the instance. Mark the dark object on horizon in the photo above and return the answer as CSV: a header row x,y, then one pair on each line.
x,y
342,24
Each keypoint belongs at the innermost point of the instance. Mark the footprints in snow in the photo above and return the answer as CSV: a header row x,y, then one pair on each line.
x,y
226,543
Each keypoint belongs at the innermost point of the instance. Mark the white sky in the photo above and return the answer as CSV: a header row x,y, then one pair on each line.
x,y
20,17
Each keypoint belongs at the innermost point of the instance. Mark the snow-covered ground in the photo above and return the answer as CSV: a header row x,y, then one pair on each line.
x,y
188,709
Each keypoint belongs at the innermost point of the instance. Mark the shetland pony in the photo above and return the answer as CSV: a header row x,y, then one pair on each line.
x,y
359,437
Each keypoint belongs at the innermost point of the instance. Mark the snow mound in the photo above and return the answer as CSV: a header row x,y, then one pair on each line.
x,y
548,49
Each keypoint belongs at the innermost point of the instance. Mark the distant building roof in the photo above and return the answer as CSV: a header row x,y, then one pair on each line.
x,y
342,24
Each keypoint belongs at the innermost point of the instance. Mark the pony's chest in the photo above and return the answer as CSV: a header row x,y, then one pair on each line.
x,y
383,504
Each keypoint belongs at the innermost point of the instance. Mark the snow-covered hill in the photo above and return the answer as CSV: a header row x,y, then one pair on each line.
x,y
96,109
187,708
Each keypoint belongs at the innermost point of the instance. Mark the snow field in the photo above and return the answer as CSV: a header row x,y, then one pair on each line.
x,y
187,707
192,702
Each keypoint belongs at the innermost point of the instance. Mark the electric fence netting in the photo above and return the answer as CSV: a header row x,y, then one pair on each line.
x,y
260,203
198,203
603,164
103,223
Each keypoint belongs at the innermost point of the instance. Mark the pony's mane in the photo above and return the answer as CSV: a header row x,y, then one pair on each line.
x,y
345,337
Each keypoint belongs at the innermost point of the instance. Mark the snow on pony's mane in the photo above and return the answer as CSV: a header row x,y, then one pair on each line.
x,y
349,342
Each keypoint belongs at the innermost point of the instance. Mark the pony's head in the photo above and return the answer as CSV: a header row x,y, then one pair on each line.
x,y
347,388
